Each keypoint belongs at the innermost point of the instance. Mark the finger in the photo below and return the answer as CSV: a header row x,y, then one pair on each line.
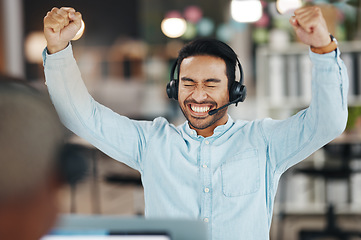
x,y
296,27
294,24
63,16
310,19
308,12
305,14
76,18
51,23
308,23
62,12
51,20
311,22
63,21
305,9
54,9
294,21
68,9
69,12
301,10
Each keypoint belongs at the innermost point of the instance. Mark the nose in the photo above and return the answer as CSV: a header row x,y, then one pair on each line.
x,y
199,94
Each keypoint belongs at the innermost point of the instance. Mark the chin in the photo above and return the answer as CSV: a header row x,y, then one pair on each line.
x,y
200,126
205,121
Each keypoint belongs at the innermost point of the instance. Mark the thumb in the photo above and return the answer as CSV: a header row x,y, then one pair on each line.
x,y
294,23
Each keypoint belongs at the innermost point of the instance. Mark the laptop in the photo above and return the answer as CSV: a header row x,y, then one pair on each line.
x,y
106,227
105,235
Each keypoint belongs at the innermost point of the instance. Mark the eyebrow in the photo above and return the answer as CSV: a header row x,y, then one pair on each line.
x,y
214,80
187,79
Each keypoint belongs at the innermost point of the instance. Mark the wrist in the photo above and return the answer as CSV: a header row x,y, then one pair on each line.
x,y
332,46
57,48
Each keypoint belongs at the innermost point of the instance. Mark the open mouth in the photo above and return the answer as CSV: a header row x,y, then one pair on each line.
x,y
200,109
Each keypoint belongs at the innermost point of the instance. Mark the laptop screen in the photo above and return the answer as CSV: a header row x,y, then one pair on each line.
x,y
84,237
105,227
103,235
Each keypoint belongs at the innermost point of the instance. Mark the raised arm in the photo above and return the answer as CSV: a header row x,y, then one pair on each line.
x,y
117,136
291,140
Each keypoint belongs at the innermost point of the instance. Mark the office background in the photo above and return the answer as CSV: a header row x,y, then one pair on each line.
x,y
125,58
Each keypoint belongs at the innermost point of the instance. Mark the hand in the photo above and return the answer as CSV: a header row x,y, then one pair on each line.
x,y
60,26
310,27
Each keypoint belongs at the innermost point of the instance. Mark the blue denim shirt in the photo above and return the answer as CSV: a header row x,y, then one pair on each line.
x,y
228,179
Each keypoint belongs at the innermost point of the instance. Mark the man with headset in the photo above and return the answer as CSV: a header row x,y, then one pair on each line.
x,y
212,168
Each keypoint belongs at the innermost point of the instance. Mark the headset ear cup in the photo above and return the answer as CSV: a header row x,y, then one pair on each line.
x,y
172,86
169,90
172,90
243,93
237,91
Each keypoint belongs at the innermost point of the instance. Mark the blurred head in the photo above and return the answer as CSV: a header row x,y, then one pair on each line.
x,y
30,140
206,71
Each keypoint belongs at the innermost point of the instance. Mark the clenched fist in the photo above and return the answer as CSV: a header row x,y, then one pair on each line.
x,y
310,26
60,26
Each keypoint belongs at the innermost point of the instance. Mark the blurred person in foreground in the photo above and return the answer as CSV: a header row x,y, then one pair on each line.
x,y
212,168
30,139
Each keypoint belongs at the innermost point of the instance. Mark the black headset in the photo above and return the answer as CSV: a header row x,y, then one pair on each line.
x,y
237,92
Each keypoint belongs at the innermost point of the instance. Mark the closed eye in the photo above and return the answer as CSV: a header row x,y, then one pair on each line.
x,y
212,83
188,82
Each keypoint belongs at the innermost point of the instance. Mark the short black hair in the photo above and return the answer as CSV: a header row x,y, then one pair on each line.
x,y
211,47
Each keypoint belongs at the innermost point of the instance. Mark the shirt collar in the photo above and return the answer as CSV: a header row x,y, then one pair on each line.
x,y
219,130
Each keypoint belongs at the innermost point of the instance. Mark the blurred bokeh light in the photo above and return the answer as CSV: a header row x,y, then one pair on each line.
x,y
34,45
288,6
246,11
174,27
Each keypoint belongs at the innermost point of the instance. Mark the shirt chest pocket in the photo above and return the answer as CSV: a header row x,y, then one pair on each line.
x,y
241,174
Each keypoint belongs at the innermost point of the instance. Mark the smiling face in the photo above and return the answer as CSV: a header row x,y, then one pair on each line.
x,y
203,87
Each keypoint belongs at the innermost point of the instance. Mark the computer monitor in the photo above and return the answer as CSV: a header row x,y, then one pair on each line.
x,y
100,227
104,235
86,236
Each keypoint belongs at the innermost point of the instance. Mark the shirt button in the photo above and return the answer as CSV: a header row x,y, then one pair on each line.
x,y
204,166
205,219
207,142
206,190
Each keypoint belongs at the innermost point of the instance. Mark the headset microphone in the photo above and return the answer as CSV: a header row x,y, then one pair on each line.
x,y
214,111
